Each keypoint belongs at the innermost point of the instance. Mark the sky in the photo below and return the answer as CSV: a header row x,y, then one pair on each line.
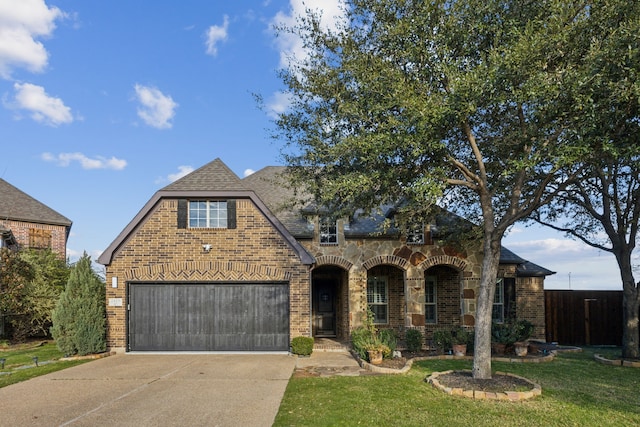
x,y
104,103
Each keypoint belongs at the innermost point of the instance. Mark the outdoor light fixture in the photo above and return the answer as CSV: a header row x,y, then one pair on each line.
x,y
206,247
114,282
2,362
35,360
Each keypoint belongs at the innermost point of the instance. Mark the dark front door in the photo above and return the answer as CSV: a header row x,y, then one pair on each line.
x,y
324,308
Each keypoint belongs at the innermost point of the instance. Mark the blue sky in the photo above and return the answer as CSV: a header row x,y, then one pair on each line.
x,y
104,103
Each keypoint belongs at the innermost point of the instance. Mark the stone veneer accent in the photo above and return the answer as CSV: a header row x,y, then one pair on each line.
x,y
458,282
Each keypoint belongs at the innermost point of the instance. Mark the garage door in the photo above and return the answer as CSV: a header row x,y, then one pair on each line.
x,y
208,317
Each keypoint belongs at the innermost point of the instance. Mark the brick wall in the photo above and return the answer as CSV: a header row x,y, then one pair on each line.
x,y
158,251
22,230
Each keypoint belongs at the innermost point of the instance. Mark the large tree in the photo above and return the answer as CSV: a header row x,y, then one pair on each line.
x,y
463,102
602,209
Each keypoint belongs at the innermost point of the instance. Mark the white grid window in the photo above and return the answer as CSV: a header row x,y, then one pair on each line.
x,y
415,235
378,299
207,214
328,231
430,300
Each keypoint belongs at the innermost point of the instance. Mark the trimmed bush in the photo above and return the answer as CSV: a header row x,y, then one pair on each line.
x,y
302,346
413,338
79,319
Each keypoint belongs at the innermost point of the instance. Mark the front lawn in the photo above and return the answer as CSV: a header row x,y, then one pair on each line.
x,y
576,391
19,363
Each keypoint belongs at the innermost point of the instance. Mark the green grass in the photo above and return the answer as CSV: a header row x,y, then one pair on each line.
x,y
20,366
576,391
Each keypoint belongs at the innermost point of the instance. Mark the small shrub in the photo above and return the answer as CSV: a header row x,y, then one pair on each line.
x,y
360,338
389,338
302,346
443,339
414,337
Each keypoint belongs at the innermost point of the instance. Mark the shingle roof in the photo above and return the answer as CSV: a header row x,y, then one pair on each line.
x,y
214,175
19,206
269,184
214,179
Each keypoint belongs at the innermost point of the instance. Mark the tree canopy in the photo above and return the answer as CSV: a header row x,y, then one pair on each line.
x,y
468,104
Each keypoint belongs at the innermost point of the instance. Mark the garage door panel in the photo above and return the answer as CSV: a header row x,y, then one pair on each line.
x,y
209,317
153,317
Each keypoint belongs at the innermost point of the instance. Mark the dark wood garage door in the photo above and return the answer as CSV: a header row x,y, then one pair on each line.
x,y
208,317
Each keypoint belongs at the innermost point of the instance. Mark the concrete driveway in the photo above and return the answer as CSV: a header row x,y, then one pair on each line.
x,y
153,390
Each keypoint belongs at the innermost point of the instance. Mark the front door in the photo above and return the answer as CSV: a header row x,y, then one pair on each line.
x,y
324,311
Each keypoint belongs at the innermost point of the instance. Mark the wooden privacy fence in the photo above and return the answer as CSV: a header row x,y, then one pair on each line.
x,y
583,317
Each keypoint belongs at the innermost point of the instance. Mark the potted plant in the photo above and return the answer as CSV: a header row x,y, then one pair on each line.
x,y
522,330
376,351
460,338
501,337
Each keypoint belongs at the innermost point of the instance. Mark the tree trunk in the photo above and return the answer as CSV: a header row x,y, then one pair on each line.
x,y
630,307
484,308
630,303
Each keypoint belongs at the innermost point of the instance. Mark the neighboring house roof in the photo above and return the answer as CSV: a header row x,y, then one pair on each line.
x,y
213,180
19,206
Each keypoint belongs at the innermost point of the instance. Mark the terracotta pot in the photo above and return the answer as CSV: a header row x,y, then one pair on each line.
x,y
375,357
521,348
459,349
499,348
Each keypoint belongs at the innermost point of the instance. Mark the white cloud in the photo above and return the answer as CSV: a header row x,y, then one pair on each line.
x,y
156,109
99,162
22,23
43,108
182,171
248,172
291,46
278,104
216,34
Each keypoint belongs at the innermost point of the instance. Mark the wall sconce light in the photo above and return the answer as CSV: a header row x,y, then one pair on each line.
x,y
206,247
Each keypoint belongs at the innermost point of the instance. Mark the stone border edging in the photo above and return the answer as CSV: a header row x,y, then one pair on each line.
x,y
512,396
616,362
89,356
382,370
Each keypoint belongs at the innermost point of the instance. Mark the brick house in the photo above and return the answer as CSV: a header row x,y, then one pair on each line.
x,y
27,223
215,262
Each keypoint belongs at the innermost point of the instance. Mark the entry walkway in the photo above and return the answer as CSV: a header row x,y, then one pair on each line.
x,y
329,358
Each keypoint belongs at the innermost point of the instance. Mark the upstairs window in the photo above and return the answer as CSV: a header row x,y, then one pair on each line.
x,y
378,299
415,235
430,300
207,214
328,231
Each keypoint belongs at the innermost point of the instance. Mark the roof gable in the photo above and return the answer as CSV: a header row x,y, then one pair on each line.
x,y
214,175
19,206
213,180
